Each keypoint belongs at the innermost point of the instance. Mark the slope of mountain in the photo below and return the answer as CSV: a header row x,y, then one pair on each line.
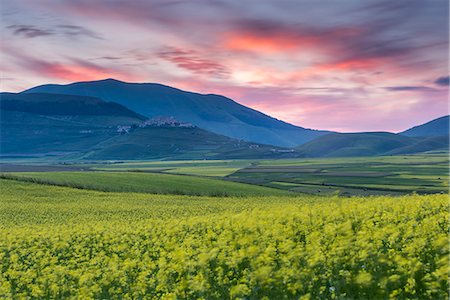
x,y
354,144
157,142
370,144
54,104
423,145
436,127
77,127
43,124
210,112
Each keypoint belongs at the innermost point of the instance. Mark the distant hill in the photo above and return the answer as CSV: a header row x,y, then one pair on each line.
x,y
436,127
77,127
420,145
370,144
214,113
353,144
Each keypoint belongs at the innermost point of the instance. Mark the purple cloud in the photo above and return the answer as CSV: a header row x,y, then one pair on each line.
x,y
191,61
408,88
74,30
443,81
29,31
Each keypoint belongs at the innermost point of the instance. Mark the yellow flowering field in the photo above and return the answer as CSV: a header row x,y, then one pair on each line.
x,y
59,242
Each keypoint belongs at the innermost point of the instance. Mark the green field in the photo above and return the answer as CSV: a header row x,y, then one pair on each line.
x,y
361,176
146,183
227,229
392,175
214,168
60,242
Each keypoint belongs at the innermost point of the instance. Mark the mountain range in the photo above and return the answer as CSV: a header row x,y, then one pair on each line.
x,y
371,144
430,136
81,127
110,119
214,113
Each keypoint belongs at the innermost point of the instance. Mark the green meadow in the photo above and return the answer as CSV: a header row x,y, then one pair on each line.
x,y
360,176
152,183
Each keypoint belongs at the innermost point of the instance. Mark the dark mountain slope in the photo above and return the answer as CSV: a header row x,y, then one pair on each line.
x,y
436,127
211,112
54,104
44,124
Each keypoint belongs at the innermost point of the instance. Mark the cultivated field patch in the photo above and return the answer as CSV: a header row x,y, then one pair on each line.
x,y
59,242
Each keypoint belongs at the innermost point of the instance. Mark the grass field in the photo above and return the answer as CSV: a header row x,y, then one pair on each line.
x,y
390,175
360,176
60,242
215,168
146,183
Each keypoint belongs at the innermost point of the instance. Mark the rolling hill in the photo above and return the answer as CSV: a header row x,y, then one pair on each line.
x,y
81,127
370,144
434,143
214,113
436,127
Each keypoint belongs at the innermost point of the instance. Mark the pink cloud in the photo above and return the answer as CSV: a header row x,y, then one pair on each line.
x,y
343,109
72,69
191,61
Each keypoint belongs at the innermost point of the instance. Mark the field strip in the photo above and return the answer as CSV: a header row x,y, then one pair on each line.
x,y
147,182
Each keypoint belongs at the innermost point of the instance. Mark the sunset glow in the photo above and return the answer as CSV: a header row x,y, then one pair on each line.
x,y
347,66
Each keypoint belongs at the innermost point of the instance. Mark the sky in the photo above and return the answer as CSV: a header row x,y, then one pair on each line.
x,y
346,65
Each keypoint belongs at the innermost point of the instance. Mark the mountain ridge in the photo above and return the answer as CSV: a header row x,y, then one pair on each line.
x,y
370,144
163,106
435,127
79,127
54,104
212,112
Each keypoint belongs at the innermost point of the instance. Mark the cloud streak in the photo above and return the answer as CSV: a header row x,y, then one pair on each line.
x,y
72,69
29,31
442,81
74,30
408,88
191,61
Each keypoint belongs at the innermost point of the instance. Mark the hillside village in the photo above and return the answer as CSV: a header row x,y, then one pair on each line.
x,y
160,121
